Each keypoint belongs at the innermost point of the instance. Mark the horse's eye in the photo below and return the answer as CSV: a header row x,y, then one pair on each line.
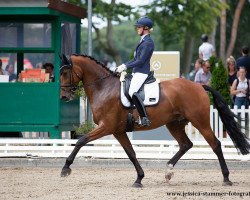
x,y
64,73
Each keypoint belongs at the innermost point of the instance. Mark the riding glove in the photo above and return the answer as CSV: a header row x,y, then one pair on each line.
x,y
121,68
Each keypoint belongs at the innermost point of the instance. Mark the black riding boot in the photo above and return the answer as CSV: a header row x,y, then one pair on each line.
x,y
141,109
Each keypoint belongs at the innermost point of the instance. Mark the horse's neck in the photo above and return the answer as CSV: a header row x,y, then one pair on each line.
x,y
98,80
92,75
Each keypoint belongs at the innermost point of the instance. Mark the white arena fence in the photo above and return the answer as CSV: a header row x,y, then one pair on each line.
x,y
145,149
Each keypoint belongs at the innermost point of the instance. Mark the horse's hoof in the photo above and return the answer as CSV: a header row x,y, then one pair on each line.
x,y
227,183
168,176
137,185
65,172
169,172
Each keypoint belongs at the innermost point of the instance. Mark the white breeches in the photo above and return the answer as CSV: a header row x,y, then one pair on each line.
x,y
136,82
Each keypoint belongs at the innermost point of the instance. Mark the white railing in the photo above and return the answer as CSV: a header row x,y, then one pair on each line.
x,y
110,148
146,149
217,125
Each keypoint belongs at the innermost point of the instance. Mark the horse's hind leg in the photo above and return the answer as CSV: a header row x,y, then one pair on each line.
x,y
215,144
177,129
127,146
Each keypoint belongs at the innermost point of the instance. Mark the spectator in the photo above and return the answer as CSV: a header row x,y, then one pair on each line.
x,y
244,60
198,65
1,70
206,50
49,68
10,72
232,71
203,76
240,89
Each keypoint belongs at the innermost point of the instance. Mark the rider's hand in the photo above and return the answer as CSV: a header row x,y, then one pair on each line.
x,y
121,68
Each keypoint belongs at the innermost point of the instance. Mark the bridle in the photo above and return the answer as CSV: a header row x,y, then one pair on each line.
x,y
73,86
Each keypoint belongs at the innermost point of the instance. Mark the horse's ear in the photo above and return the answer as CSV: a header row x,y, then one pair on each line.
x,y
65,60
60,56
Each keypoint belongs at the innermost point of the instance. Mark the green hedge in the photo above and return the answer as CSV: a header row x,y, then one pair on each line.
x,y
219,80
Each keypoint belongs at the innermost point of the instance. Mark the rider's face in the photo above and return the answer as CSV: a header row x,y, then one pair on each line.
x,y
139,30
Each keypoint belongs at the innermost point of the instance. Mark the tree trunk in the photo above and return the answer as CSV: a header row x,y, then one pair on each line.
x,y
212,36
235,27
223,22
108,46
188,52
111,50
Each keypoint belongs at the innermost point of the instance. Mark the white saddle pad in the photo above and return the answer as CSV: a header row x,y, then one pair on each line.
x,y
152,94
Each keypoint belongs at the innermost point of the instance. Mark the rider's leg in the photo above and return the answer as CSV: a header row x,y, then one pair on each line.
x,y
141,109
136,82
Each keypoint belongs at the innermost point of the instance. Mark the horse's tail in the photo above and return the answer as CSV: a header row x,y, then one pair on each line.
x,y
241,142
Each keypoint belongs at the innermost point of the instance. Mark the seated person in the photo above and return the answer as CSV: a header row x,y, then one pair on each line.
x,y
10,72
1,70
49,68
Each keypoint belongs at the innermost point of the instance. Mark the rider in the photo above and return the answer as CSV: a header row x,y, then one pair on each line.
x,y
140,64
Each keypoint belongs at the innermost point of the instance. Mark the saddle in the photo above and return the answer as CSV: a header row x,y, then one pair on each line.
x,y
149,91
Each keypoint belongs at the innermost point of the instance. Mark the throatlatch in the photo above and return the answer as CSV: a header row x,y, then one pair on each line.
x,y
141,109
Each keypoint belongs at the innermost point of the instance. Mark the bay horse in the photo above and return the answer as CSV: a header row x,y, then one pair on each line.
x,y
181,101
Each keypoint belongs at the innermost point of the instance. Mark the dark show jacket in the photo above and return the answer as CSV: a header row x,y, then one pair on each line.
x,y
141,61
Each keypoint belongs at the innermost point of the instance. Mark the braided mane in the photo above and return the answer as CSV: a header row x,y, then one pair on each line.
x,y
99,63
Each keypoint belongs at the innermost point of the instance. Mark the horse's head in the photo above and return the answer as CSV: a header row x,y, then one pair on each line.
x,y
81,68
68,86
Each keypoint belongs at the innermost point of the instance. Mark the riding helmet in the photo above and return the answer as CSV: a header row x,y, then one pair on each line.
x,y
145,22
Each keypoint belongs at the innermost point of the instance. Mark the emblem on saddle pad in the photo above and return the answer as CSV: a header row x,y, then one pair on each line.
x,y
149,92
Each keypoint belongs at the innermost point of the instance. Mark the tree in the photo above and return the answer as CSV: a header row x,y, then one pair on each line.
x,y
243,28
110,12
223,21
124,44
225,52
184,21
235,27
219,80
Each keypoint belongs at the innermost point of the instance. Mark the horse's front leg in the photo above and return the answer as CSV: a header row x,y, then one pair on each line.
x,y
97,133
127,146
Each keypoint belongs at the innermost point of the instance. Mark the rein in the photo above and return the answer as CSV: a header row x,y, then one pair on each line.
x,y
94,82
74,86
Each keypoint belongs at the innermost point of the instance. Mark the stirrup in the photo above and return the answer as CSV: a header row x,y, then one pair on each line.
x,y
145,122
